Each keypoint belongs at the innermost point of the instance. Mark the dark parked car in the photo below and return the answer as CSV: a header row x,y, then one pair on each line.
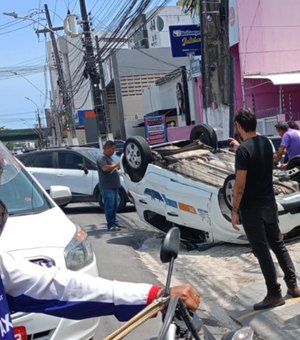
x,y
74,167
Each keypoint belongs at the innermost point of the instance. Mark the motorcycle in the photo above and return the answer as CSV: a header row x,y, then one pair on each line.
x,y
178,321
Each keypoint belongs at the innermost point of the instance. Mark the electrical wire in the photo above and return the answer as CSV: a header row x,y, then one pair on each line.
x,y
17,29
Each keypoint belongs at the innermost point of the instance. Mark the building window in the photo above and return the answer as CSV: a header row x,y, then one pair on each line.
x,y
152,24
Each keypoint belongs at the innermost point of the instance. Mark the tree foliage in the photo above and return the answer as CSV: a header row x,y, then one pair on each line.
x,y
189,6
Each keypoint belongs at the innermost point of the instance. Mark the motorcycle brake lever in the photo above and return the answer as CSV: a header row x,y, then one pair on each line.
x,y
193,323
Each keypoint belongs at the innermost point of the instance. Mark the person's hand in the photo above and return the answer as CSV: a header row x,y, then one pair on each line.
x,y
235,220
233,144
188,295
117,166
283,166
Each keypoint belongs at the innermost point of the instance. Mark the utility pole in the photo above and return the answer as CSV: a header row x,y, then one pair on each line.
x,y
103,87
61,81
204,49
39,125
215,62
56,122
93,74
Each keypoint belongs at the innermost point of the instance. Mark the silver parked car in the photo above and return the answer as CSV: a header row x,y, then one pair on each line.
x,y
74,167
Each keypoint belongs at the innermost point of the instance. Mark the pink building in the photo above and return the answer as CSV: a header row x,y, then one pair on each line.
x,y
266,48
265,45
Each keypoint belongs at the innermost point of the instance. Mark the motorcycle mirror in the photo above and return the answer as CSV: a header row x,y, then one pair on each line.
x,y
170,247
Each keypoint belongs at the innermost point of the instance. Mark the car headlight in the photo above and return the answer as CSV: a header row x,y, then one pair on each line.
x,y
78,253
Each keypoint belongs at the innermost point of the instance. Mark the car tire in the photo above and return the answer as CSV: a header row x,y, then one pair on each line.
x,y
293,163
137,156
205,134
228,190
121,198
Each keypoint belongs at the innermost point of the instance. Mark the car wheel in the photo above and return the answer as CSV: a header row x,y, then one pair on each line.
x,y
121,200
293,163
228,190
205,134
137,156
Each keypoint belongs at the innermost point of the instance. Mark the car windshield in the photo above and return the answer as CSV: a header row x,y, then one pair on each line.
x,y
93,153
22,195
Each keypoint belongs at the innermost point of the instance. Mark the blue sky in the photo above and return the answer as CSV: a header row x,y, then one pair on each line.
x,y
21,47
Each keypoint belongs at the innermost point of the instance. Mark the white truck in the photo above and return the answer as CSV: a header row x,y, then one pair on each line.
x,y
189,184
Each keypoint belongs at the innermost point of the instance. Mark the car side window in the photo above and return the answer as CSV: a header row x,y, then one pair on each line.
x,y
42,160
69,160
26,159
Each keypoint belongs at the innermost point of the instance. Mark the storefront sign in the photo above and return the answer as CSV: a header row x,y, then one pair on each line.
x,y
233,23
185,40
155,129
196,67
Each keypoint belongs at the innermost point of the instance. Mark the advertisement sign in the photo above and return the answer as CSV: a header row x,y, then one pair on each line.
x,y
196,67
233,23
185,40
155,129
81,116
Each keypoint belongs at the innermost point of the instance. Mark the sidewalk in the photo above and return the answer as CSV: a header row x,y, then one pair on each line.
x,y
230,282
276,323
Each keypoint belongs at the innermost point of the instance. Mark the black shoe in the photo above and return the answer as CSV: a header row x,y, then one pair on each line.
x,y
269,301
121,226
294,292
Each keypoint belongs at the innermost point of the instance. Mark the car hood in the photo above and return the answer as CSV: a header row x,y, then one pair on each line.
x,y
50,228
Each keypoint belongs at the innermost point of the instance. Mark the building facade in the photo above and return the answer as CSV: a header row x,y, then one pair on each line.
x,y
264,39
127,72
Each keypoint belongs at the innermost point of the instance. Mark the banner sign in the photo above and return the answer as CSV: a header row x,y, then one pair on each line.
x,y
196,67
233,23
156,129
185,40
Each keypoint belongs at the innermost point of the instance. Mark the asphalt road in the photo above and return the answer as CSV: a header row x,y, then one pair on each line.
x,y
116,259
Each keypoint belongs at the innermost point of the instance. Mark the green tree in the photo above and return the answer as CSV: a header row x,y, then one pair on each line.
x,y
10,145
189,6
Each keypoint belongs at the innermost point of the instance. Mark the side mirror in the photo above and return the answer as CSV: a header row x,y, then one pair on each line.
x,y
83,167
61,195
170,247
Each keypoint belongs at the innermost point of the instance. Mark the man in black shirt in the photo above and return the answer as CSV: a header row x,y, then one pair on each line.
x,y
254,200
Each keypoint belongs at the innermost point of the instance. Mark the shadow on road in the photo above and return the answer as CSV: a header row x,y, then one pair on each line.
x,y
134,239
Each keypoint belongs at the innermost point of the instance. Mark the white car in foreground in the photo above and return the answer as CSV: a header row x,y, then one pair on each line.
x,y
189,184
39,231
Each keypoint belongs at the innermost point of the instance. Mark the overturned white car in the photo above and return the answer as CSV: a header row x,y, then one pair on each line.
x,y
189,184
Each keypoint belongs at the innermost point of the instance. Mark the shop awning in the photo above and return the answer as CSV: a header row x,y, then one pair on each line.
x,y
278,78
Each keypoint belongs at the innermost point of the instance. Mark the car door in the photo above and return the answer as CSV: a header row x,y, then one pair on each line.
x,y
41,166
187,204
74,173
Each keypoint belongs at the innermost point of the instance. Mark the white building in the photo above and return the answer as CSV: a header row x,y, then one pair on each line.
x,y
154,32
127,72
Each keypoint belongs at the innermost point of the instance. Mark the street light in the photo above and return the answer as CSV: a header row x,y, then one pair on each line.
x,y
62,86
38,110
38,119
30,82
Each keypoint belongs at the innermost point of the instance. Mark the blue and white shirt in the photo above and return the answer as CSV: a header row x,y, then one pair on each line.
x,y
64,293
6,327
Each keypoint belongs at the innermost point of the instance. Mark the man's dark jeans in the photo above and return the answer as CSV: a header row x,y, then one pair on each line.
x,y
110,200
262,230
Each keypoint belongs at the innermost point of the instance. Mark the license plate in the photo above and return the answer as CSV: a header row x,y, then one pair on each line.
x,y
20,333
